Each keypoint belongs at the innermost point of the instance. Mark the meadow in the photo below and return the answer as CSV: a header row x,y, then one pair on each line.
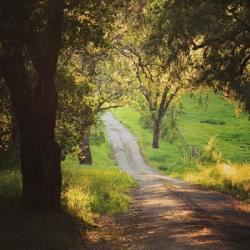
x,y
199,124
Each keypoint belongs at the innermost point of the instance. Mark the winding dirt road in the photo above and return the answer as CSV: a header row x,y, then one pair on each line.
x,y
171,214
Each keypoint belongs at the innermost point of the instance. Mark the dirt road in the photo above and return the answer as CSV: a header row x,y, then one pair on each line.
x,y
171,214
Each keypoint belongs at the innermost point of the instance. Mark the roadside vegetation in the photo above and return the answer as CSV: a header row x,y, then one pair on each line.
x,y
209,143
88,192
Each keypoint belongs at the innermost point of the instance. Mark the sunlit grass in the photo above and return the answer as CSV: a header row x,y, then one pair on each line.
x,y
233,136
90,191
229,178
87,191
233,142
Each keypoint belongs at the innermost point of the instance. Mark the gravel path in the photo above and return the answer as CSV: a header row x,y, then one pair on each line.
x,y
171,214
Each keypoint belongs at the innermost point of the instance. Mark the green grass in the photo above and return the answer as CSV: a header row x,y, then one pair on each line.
x,y
233,178
88,191
10,187
166,155
233,137
198,126
91,192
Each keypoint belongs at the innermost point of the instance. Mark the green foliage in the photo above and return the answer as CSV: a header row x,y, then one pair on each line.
x,y
210,153
158,78
9,153
73,112
88,22
214,33
5,119
97,135
85,90
182,161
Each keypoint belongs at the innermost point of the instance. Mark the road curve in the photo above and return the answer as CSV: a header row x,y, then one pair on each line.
x,y
171,214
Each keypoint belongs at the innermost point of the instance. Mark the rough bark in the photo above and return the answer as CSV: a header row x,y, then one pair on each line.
x,y
34,99
40,154
40,164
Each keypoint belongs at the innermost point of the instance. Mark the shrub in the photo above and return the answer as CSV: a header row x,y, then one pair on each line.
x,y
210,152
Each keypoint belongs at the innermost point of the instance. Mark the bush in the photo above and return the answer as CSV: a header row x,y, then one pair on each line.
x,y
210,153
97,135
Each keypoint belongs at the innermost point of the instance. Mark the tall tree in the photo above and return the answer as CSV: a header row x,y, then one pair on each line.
x,y
219,31
30,45
90,83
159,84
32,34
158,77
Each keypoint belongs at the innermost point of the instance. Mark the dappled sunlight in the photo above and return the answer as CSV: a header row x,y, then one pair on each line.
x,y
89,192
230,178
124,125
169,212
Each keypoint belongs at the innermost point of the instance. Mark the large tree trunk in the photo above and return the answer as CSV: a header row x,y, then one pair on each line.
x,y
40,165
36,114
85,156
28,64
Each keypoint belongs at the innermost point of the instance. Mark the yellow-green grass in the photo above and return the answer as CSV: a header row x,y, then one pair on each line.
x,y
91,191
87,191
229,178
101,188
233,139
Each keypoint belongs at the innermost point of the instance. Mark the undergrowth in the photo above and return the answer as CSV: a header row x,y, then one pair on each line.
x,y
226,177
89,192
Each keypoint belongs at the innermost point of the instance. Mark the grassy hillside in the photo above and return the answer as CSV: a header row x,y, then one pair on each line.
x,y
232,136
